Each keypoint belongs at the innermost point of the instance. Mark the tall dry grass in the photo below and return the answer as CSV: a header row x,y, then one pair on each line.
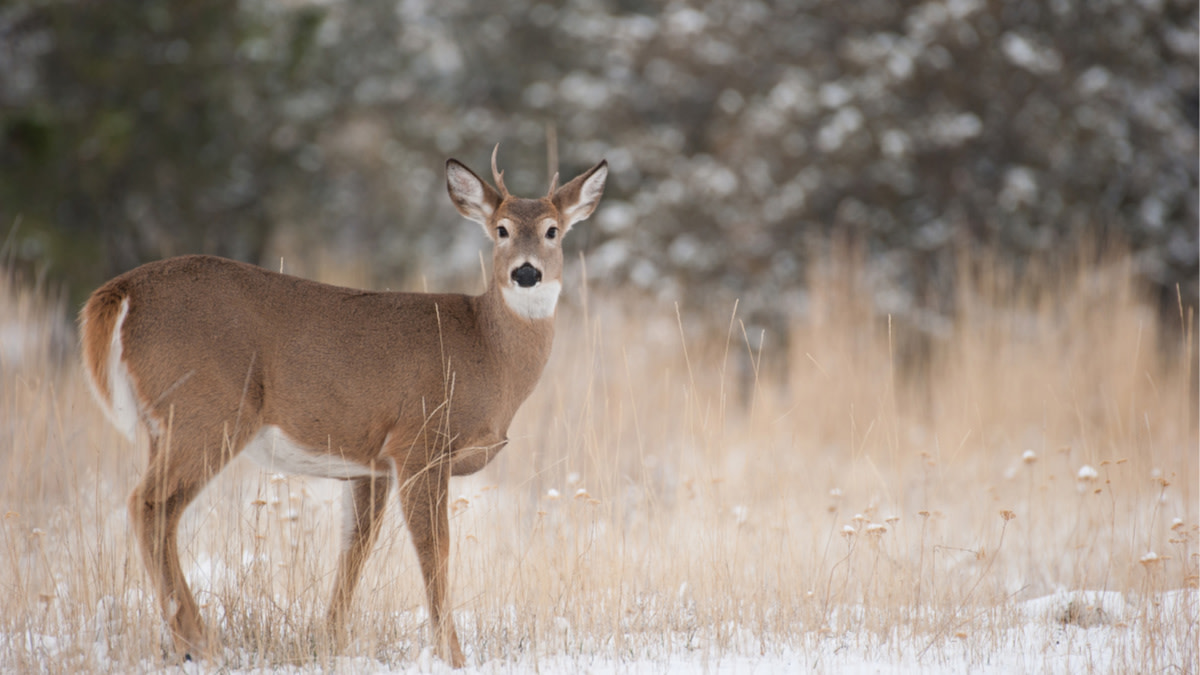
x,y
680,484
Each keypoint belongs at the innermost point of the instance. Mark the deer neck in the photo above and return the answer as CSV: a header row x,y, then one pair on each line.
x,y
520,345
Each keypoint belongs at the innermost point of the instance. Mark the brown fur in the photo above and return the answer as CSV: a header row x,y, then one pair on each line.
x,y
425,383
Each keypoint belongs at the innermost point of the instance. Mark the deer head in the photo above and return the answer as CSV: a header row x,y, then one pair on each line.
x,y
526,234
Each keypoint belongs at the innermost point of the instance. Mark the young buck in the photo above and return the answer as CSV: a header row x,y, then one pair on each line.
x,y
213,358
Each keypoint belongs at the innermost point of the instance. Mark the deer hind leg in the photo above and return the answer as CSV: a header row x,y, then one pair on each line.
x,y
423,494
175,475
367,498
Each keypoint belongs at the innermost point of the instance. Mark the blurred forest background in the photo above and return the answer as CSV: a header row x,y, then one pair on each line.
x,y
743,136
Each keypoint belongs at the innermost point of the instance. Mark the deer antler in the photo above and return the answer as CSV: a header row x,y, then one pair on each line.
x,y
498,176
553,185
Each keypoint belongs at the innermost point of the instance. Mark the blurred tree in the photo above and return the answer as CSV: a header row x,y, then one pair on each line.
x,y
743,135
145,130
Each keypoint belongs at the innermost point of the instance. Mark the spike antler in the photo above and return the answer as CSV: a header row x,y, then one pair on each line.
x,y
498,176
553,185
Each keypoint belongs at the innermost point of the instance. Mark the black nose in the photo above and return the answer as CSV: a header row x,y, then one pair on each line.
x,y
526,275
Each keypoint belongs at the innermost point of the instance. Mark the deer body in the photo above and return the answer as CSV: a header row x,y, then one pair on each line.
x,y
212,358
346,353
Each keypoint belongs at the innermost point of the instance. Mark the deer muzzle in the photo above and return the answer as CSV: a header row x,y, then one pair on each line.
x,y
526,275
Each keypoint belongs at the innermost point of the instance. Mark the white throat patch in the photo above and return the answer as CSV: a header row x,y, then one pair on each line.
x,y
537,302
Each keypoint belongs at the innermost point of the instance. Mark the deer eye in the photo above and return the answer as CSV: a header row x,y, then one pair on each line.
x,y
502,231
552,233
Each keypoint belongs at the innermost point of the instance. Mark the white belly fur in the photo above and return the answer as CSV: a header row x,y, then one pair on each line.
x,y
274,451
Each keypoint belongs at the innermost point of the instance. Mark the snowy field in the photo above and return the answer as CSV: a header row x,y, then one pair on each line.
x,y
682,494
1064,633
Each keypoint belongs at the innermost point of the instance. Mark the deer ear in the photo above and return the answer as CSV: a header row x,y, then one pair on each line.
x,y
576,200
472,197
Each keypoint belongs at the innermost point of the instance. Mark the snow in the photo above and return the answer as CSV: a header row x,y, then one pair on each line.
x,y
1023,52
1066,632
843,124
1020,189
951,129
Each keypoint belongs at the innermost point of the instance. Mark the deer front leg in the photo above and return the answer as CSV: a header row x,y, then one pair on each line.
x,y
367,498
423,494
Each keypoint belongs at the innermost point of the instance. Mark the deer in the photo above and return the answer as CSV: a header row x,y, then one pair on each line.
x,y
205,359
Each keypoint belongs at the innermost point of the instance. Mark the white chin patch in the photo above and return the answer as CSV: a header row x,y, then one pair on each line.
x,y
535,302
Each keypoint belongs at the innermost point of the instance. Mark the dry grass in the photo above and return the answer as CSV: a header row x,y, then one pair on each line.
x,y
674,486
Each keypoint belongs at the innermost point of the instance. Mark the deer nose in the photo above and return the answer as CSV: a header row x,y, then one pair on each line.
x,y
526,275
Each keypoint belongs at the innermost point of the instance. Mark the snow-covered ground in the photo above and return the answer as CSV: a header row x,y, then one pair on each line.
x,y
1065,633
